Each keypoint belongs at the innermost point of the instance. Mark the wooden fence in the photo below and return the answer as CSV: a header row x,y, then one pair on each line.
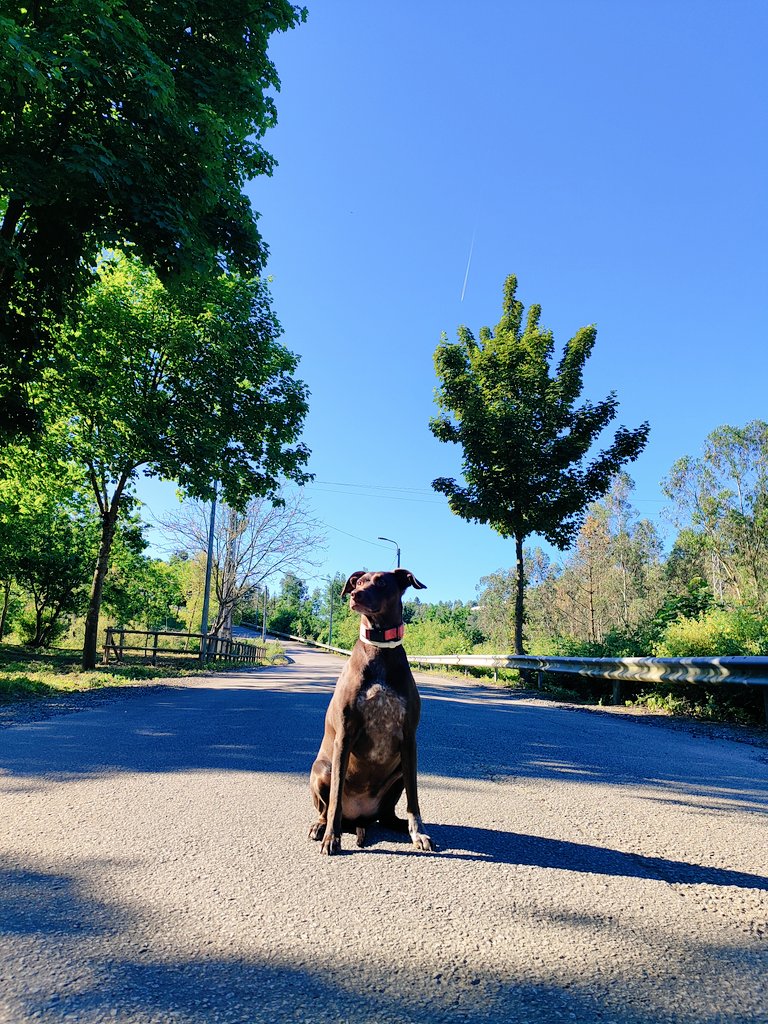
x,y
199,646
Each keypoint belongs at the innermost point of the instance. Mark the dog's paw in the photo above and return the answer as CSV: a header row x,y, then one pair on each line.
x,y
330,845
422,842
317,831
360,833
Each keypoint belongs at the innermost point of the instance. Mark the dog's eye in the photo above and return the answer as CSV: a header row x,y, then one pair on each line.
x,y
379,582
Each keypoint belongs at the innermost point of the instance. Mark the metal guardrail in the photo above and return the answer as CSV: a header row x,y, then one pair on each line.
x,y
729,671
309,643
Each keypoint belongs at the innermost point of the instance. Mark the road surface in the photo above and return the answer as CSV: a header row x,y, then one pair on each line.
x,y
154,866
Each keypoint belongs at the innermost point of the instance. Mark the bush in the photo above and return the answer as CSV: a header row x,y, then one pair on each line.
x,y
716,633
51,629
434,637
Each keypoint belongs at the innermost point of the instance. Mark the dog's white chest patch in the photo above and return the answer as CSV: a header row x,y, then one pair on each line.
x,y
383,714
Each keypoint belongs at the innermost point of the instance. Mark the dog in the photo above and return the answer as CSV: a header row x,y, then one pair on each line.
x,y
368,753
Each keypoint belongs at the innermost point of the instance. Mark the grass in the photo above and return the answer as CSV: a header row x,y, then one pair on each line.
x,y
28,674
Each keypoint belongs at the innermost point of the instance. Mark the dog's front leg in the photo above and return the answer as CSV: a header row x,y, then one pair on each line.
x,y
419,837
341,747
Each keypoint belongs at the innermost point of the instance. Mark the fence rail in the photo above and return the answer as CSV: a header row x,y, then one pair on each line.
x,y
729,671
208,647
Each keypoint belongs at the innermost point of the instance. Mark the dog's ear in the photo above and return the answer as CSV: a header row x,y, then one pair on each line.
x,y
406,579
351,583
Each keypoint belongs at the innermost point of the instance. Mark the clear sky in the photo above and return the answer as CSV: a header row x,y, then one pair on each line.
x,y
612,155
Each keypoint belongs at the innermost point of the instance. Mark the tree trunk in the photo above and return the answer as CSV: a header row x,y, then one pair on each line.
x,y
520,594
6,603
90,645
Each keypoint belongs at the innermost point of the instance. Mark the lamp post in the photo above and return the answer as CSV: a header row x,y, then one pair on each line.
x,y
390,541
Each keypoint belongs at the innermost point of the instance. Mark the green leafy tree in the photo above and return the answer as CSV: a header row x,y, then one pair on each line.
x,y
294,610
124,121
721,504
525,440
144,590
197,393
48,537
496,607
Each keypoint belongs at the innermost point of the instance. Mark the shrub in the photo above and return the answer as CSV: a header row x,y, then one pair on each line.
x,y
716,633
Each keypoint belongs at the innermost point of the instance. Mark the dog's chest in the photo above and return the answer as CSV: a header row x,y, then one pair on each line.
x,y
383,713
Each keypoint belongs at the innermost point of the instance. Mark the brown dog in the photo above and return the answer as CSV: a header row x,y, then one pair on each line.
x,y
368,753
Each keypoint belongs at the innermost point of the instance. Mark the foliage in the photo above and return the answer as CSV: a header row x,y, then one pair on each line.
x,y
193,392
716,633
722,499
293,611
435,636
48,538
124,122
609,585
249,547
720,704
496,608
525,440
196,391
145,591
24,674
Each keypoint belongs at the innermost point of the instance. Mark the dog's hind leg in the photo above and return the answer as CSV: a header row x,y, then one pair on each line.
x,y
387,817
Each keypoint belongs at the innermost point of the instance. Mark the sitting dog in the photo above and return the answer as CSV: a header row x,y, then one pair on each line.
x,y
368,753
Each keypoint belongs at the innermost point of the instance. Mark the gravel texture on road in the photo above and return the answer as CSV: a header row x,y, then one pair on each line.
x,y
154,866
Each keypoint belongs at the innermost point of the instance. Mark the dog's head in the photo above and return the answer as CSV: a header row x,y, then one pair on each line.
x,y
379,594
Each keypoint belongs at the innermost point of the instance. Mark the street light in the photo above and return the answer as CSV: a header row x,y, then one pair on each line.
x,y
390,541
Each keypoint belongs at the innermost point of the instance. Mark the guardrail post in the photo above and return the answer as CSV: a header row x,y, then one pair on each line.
x,y
154,649
616,692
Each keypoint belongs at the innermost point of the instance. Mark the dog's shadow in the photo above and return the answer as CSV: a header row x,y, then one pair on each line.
x,y
465,842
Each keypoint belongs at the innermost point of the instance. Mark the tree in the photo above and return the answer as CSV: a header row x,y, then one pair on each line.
x,y
294,610
495,608
721,502
524,439
195,392
249,547
48,537
124,121
139,589
610,582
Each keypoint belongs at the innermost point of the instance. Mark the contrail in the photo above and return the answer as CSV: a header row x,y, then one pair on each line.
x,y
466,274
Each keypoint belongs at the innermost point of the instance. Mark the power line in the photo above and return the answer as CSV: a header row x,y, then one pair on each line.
x,y
354,536
379,487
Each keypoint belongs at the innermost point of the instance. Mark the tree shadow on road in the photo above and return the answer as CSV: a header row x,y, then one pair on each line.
x,y
465,842
75,957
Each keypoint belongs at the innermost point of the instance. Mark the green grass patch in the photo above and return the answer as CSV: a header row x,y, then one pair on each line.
x,y
26,675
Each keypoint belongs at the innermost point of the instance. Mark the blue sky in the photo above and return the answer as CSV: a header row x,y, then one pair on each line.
x,y
612,155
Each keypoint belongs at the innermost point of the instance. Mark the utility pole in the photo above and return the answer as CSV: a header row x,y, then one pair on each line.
x,y
207,591
389,541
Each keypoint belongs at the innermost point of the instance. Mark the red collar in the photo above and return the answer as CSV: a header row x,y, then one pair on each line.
x,y
382,635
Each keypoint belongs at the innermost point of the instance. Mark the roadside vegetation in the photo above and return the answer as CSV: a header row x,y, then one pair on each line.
x,y
52,673
138,339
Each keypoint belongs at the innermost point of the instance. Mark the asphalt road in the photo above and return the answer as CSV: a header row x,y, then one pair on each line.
x,y
154,866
